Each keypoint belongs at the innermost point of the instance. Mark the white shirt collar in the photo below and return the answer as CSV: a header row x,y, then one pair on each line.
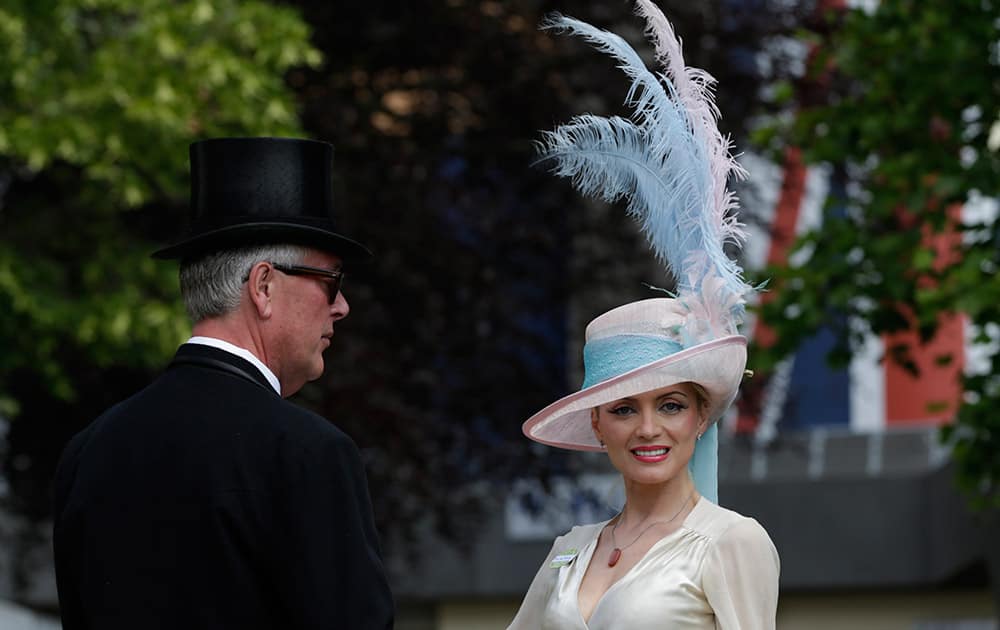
x,y
243,353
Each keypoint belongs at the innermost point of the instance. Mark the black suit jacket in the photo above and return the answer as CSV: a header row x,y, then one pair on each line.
x,y
207,501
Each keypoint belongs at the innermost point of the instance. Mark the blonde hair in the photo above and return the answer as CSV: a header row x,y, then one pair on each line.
x,y
702,396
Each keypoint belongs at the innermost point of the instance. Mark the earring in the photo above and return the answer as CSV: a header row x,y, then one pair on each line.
x,y
699,437
603,445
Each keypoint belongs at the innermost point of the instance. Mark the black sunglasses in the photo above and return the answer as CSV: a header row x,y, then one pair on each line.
x,y
336,278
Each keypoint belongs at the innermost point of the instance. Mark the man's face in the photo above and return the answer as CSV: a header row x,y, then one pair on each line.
x,y
303,322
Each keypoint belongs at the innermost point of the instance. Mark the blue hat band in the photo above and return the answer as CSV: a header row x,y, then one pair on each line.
x,y
612,356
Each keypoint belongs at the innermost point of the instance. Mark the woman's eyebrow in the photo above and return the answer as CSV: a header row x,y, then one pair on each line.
x,y
622,400
673,392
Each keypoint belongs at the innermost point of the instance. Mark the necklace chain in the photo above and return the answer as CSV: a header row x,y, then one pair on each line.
x,y
617,551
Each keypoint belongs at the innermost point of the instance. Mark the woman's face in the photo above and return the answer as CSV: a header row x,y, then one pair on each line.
x,y
650,437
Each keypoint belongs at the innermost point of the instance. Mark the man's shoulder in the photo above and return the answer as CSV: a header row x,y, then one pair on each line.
x,y
307,424
178,404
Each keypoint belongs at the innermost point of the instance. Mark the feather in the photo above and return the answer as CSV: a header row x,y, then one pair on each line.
x,y
669,163
694,90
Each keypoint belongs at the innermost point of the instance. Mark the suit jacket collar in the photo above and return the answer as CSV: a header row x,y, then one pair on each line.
x,y
242,353
207,356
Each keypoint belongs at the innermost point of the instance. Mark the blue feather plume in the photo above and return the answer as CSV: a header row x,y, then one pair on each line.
x,y
669,163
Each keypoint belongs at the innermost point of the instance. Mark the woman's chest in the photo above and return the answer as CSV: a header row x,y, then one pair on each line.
x,y
663,590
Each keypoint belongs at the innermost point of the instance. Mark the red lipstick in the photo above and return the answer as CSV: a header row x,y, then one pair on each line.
x,y
651,454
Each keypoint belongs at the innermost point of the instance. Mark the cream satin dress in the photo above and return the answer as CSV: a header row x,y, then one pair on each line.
x,y
718,570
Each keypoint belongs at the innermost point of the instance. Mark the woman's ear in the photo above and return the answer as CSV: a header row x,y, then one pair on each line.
x,y
702,424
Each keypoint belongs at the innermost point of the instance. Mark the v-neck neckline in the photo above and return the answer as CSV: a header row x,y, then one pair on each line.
x,y
592,549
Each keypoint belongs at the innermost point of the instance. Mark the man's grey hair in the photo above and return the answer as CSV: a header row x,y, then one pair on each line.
x,y
211,285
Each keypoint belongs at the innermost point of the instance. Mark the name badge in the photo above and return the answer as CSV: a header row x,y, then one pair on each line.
x,y
563,559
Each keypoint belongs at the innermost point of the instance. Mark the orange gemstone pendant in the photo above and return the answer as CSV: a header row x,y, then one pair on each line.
x,y
616,555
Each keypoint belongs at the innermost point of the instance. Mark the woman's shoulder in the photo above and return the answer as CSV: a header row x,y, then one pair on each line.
x,y
721,524
581,533
741,569
570,544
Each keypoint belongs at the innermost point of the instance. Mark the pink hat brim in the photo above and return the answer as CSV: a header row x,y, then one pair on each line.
x,y
716,365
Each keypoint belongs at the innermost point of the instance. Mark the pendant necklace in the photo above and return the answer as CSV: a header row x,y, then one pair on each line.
x,y
616,553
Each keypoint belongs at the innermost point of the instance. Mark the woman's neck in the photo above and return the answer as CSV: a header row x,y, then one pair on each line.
x,y
646,503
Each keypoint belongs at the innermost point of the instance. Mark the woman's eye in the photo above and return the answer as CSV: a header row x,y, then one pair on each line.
x,y
672,407
623,410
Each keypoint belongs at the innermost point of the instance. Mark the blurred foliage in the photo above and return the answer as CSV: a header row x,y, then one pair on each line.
x,y
98,102
486,268
903,101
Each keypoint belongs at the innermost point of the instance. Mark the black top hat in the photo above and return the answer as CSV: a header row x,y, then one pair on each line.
x,y
256,191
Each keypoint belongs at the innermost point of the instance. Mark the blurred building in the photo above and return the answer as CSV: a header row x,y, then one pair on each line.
x,y
871,533
28,599
844,468
14,617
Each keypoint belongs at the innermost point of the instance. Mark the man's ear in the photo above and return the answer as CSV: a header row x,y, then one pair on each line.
x,y
260,287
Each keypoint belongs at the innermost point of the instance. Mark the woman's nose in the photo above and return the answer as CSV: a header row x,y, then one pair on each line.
x,y
647,424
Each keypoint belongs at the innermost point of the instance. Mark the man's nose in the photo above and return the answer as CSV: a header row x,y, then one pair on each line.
x,y
340,308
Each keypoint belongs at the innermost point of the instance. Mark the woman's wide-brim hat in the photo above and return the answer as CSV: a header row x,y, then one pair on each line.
x,y
261,191
636,348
